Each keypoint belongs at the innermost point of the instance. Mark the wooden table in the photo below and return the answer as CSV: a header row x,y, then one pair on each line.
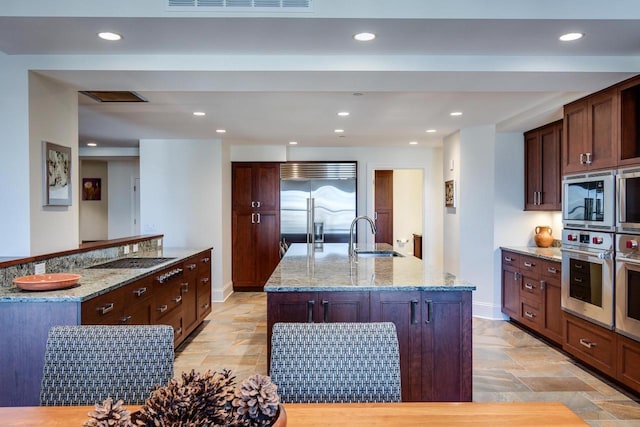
x,y
519,414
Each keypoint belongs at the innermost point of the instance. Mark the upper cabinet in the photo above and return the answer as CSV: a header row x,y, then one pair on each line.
x,y
629,96
256,186
542,168
591,133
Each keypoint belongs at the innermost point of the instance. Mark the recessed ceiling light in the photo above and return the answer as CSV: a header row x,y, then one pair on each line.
x,y
92,144
571,37
343,113
338,130
293,142
221,131
456,113
107,35
413,143
430,130
199,113
364,37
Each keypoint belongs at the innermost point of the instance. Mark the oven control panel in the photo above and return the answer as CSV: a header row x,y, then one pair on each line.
x,y
628,244
588,239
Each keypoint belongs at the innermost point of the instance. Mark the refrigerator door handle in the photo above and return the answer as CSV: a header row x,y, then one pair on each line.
x,y
310,219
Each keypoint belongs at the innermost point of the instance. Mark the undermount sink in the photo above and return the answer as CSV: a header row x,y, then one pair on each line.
x,y
380,253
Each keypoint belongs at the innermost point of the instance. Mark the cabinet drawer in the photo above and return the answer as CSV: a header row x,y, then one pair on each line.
x,y
104,308
204,304
530,288
551,269
591,343
628,370
531,314
530,264
174,319
139,314
166,301
510,258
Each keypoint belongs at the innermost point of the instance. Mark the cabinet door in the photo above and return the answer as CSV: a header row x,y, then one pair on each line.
x,y
404,310
384,206
532,169
590,343
344,307
265,245
603,130
241,186
511,280
188,290
552,328
574,142
204,285
243,249
266,186
628,366
550,177
446,347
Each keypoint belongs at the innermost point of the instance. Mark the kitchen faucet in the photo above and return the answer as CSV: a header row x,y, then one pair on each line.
x,y
353,224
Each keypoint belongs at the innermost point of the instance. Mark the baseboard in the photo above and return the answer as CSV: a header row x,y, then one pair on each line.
x,y
221,295
485,310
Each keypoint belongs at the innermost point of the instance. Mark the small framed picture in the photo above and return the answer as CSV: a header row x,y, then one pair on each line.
x,y
450,193
91,188
56,173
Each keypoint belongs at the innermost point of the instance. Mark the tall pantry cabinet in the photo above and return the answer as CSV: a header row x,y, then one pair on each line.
x,y
255,220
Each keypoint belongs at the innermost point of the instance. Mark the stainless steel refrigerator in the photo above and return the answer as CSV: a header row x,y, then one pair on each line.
x,y
317,201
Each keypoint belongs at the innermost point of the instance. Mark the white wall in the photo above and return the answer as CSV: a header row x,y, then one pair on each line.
x,y
407,207
122,175
94,213
15,220
53,117
182,195
451,219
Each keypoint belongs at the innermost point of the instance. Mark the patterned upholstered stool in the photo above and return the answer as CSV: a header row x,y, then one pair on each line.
x,y
86,364
336,362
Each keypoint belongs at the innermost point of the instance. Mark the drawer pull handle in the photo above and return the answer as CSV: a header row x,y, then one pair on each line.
x,y
577,280
552,270
205,259
205,280
125,319
177,299
163,308
185,287
191,266
529,286
543,283
105,308
528,264
205,306
310,305
140,291
587,343
429,310
529,314
178,332
414,304
508,259
577,266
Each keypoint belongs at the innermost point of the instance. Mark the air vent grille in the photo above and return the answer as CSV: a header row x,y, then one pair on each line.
x,y
114,96
212,5
318,170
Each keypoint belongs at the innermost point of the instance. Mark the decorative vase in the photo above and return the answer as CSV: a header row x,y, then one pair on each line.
x,y
281,419
543,237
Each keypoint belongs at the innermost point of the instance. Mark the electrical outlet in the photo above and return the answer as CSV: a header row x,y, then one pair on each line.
x,y
159,243
135,247
126,249
41,268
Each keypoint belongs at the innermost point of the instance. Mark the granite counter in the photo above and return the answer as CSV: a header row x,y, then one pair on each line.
x,y
551,254
305,268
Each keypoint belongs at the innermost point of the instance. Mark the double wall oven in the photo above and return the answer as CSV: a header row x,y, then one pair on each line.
x,y
588,246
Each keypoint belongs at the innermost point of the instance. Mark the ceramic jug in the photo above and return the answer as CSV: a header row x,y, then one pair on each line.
x,y
543,237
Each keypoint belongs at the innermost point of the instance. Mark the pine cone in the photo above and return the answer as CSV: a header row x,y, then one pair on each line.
x,y
109,414
256,401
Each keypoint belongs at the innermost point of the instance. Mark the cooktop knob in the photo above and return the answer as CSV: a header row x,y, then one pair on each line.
x,y
597,240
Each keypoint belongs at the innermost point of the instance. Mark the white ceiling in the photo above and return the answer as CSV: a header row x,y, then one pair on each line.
x,y
270,80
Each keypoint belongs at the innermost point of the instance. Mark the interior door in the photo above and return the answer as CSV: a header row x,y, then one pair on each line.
x,y
383,195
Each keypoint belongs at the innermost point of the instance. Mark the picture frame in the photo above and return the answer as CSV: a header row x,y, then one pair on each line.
x,y
450,193
56,173
91,189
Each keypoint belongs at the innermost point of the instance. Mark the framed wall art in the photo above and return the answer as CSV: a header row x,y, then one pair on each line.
x,y
450,193
56,172
91,189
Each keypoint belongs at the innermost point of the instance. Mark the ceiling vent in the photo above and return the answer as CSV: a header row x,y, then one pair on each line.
x,y
239,5
113,96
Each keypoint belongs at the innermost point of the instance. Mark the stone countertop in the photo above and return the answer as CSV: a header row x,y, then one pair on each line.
x,y
551,254
97,281
304,269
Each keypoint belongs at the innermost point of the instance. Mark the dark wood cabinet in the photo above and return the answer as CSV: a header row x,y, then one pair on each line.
x,y
531,293
383,199
434,332
542,167
628,366
590,343
629,131
255,223
590,136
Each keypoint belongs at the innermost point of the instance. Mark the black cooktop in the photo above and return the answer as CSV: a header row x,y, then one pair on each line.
x,y
132,263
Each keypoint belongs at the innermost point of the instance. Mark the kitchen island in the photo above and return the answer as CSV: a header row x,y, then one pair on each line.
x,y
430,308
176,291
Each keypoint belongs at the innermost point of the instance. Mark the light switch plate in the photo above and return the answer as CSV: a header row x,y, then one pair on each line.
x,y
135,247
41,268
159,243
126,249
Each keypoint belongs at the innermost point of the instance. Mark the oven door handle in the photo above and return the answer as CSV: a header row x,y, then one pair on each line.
x,y
623,258
601,255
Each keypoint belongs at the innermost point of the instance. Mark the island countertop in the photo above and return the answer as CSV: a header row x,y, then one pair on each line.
x,y
328,268
97,281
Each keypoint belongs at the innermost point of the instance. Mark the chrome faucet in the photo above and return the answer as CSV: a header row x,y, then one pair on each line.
x,y
353,224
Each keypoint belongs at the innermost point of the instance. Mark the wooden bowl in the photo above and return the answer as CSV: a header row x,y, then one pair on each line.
x,y
46,282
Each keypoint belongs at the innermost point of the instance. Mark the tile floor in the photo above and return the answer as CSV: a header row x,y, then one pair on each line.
x,y
508,363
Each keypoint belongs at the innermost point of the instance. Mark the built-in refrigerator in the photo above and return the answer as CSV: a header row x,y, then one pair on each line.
x,y
317,201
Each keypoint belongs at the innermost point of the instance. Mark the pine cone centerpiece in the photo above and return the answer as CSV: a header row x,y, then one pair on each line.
x,y
109,414
256,401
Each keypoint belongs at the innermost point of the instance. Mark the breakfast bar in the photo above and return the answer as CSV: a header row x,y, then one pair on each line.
x,y
430,308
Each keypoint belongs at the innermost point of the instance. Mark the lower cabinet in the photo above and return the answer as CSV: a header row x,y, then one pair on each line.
x,y
179,296
628,366
590,343
434,332
531,293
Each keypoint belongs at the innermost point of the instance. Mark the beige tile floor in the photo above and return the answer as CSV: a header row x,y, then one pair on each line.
x,y
508,363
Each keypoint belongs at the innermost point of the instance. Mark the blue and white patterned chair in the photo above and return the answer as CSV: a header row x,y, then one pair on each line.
x,y
86,364
336,362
